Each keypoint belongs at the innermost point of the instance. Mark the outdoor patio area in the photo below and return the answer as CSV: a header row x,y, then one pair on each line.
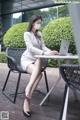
x,y
52,107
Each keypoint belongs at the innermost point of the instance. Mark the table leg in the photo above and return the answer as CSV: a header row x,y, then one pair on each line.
x,y
52,88
64,104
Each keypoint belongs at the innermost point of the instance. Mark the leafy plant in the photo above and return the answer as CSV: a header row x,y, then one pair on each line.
x,y
14,36
54,32
3,57
57,30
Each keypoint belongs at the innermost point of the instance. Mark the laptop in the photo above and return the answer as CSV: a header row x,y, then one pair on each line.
x,y
64,47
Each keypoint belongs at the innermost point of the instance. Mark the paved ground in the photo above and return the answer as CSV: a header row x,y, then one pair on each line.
x,y
50,110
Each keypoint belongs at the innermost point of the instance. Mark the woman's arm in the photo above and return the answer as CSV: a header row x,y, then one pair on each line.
x,y
46,49
30,46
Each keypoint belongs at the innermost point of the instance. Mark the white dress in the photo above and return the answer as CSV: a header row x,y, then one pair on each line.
x,y
34,46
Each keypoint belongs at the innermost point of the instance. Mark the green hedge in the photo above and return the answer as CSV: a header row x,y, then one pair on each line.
x,y
3,58
14,36
53,33
57,30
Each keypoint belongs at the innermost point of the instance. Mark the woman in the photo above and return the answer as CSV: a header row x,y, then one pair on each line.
x,y
33,65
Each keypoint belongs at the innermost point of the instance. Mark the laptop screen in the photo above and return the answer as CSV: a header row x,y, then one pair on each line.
x,y
64,47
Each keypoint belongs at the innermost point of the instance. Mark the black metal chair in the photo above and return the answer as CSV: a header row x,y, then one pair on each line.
x,y
71,75
13,62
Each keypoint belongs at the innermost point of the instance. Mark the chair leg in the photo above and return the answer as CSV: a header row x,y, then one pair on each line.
x,y
64,104
6,80
16,92
46,81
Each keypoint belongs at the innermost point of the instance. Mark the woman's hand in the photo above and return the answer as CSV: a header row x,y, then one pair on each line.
x,y
53,52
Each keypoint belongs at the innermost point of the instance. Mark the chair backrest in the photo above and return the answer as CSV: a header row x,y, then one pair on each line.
x,y
15,53
71,75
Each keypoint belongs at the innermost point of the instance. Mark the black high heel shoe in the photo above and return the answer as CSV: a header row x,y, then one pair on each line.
x,y
27,113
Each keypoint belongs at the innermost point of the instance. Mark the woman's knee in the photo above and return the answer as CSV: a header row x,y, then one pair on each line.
x,y
30,68
39,61
41,74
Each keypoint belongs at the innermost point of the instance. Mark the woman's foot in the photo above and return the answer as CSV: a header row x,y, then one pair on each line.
x,y
26,107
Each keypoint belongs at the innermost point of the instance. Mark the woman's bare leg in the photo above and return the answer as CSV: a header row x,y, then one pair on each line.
x,y
26,106
35,84
36,72
34,80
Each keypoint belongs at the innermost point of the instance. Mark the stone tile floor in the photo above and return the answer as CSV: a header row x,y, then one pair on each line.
x,y
52,107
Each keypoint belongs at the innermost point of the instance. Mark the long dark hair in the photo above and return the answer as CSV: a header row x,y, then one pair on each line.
x,y
33,19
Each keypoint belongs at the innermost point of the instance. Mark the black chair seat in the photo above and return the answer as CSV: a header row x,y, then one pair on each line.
x,y
19,69
71,75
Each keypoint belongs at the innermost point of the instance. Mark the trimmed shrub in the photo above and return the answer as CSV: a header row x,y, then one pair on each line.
x,y
14,36
54,32
57,30
3,57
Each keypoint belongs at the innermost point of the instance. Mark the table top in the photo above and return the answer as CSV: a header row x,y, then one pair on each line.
x,y
58,56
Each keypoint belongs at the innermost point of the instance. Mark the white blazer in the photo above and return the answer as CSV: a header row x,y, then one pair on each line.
x,y
34,46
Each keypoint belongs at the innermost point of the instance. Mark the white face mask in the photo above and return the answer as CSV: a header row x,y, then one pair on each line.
x,y
37,26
